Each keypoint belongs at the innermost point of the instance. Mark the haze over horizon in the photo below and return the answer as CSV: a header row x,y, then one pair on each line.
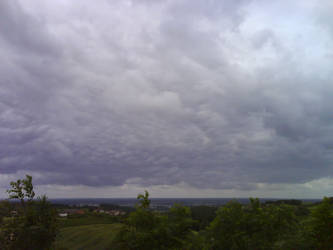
x,y
183,98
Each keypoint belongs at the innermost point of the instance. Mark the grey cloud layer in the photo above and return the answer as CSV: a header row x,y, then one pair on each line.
x,y
162,92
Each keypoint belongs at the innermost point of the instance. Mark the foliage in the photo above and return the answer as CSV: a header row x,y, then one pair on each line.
x,y
5,210
252,227
322,225
197,241
314,231
292,202
180,220
144,200
236,226
22,189
203,215
147,229
32,225
299,238
285,224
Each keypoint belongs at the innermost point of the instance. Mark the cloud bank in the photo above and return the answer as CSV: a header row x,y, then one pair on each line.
x,y
216,95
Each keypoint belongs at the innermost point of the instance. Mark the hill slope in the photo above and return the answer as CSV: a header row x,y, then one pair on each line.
x,y
97,236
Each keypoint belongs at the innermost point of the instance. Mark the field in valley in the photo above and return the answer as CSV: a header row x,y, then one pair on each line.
x,y
94,236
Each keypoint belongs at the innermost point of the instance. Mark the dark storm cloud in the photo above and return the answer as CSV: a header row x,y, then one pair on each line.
x,y
161,93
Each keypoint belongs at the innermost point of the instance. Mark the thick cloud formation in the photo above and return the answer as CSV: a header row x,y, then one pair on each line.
x,y
214,94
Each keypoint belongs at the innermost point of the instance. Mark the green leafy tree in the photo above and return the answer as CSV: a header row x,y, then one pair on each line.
x,y
203,215
144,200
227,230
249,227
22,189
141,227
180,220
32,225
147,229
322,225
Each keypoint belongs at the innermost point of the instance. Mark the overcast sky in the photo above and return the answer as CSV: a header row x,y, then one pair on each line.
x,y
185,98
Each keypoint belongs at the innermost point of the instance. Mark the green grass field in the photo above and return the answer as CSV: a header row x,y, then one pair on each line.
x,y
96,236
86,220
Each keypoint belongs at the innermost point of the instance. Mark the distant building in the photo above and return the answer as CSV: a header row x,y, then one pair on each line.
x,y
116,212
80,211
73,211
110,212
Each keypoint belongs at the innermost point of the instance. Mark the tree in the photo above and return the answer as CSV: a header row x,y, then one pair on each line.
x,y
180,221
22,189
322,225
144,200
140,227
147,229
32,224
249,227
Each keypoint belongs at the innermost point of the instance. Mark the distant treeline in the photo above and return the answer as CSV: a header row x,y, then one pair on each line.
x,y
287,202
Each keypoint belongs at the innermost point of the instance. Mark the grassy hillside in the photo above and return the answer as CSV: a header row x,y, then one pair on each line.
x,y
97,236
86,220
